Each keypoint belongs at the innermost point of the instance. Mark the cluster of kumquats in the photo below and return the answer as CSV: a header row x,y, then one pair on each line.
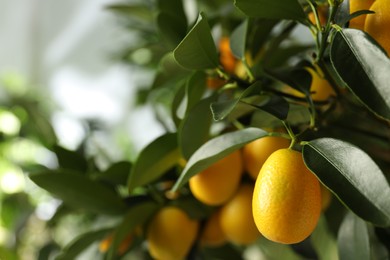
x,y
263,189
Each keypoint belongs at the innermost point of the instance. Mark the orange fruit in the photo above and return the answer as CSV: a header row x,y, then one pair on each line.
x,y
322,15
212,234
357,5
320,88
123,246
215,82
236,217
171,234
287,198
218,183
256,152
226,57
377,25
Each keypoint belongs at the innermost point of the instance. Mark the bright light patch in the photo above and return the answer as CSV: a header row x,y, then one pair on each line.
x,y
46,210
9,123
3,235
12,181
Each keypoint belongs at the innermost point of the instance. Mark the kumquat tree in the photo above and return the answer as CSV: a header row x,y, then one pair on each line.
x,y
276,144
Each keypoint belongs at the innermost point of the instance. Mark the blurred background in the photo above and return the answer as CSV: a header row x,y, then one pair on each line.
x,y
61,79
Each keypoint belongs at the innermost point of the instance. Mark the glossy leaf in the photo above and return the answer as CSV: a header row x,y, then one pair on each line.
x,y
135,217
194,130
154,160
238,40
80,192
197,50
353,239
364,68
352,176
81,243
275,9
215,149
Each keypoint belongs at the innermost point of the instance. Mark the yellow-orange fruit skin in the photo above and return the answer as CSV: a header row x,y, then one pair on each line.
x,y
358,5
226,57
171,233
218,183
287,198
236,217
255,153
212,234
377,25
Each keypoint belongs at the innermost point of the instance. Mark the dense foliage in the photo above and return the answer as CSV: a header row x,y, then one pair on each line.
x,y
224,77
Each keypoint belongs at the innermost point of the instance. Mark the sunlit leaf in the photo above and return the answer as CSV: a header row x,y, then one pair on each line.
x,y
215,149
364,67
80,192
353,239
154,160
275,9
352,176
197,50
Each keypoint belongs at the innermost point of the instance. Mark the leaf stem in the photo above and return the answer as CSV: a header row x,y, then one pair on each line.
x,y
290,133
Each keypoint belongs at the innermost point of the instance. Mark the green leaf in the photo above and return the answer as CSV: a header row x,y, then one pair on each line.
x,y
275,105
297,78
80,192
323,241
222,109
195,88
82,242
173,7
197,50
154,160
168,72
176,107
354,15
171,27
275,9
238,40
116,174
141,12
215,149
352,176
194,130
353,239
70,160
136,216
276,251
364,68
